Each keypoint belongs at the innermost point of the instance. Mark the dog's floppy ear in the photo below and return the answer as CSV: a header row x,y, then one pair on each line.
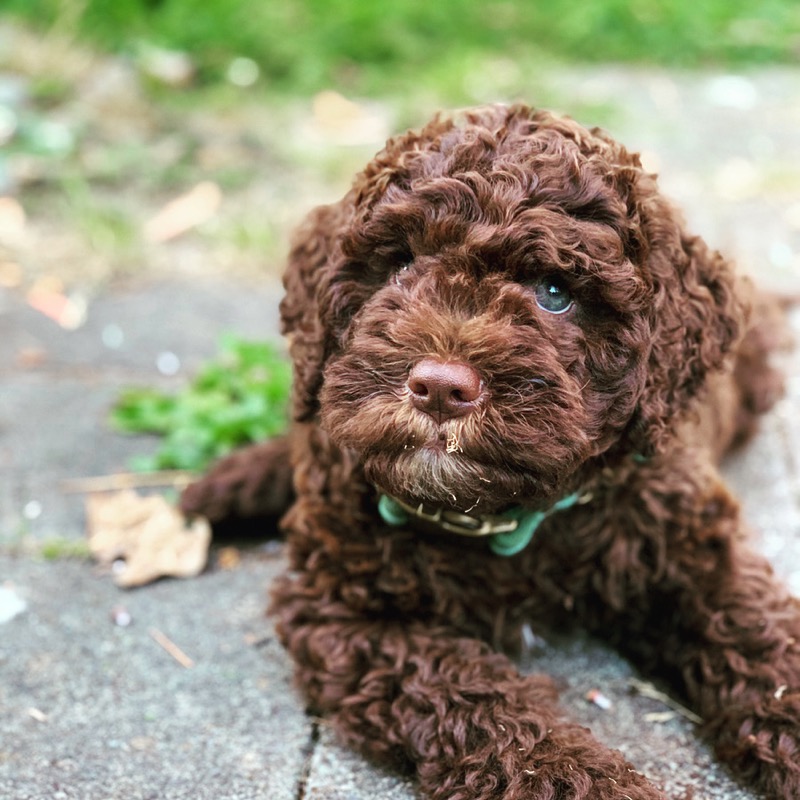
x,y
696,316
309,262
310,308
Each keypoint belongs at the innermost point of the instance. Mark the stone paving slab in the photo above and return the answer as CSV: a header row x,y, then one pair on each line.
x,y
90,710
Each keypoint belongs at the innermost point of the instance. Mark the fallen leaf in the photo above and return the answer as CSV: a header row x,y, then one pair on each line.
x,y
10,274
149,536
183,213
12,220
339,120
229,558
48,297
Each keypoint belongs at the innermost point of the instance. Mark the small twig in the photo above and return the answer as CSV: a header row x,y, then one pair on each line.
x,y
660,716
171,648
128,480
648,690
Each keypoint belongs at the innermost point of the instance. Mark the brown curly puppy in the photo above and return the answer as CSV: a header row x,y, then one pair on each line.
x,y
514,371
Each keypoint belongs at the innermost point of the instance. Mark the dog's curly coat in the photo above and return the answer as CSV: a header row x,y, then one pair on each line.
x,y
504,312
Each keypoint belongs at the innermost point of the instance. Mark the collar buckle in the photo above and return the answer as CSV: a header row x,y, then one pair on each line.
x,y
466,525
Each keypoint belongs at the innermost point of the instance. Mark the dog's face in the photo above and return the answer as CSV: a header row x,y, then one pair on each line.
x,y
494,307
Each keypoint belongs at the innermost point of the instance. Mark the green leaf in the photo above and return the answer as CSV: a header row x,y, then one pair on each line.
x,y
238,398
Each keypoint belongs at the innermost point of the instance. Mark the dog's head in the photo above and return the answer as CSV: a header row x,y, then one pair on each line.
x,y
500,304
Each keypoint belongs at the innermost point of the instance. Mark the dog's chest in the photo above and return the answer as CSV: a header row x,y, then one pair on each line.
x,y
455,580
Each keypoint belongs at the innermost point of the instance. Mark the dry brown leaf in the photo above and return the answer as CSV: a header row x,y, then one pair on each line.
x,y
337,119
229,558
10,274
146,533
183,213
12,220
68,312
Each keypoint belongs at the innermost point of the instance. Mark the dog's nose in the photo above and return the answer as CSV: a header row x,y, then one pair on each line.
x,y
444,389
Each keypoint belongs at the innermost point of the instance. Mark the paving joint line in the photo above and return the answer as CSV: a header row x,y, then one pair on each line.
x,y
308,756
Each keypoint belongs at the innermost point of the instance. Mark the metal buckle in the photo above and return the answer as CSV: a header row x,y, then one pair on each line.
x,y
462,524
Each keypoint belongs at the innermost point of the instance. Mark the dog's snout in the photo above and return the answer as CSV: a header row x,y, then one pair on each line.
x,y
444,389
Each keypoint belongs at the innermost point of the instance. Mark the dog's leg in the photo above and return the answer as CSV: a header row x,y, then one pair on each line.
x,y
758,383
683,596
461,714
254,482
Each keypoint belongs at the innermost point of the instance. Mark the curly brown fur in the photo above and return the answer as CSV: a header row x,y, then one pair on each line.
x,y
248,489
444,250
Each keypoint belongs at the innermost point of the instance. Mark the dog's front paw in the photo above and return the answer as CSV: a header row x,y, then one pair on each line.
x,y
567,763
762,743
253,482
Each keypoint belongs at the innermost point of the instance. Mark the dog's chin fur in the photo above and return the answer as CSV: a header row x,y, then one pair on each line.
x,y
481,463
450,468
434,476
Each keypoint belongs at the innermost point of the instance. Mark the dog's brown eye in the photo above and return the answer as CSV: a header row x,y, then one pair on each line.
x,y
553,296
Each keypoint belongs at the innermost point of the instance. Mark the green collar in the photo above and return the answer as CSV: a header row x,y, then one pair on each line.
x,y
510,531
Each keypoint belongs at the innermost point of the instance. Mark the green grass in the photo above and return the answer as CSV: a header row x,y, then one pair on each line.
x,y
57,549
237,398
106,228
306,45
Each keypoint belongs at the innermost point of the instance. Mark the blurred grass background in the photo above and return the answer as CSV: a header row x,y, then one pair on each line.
x,y
108,108
303,46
